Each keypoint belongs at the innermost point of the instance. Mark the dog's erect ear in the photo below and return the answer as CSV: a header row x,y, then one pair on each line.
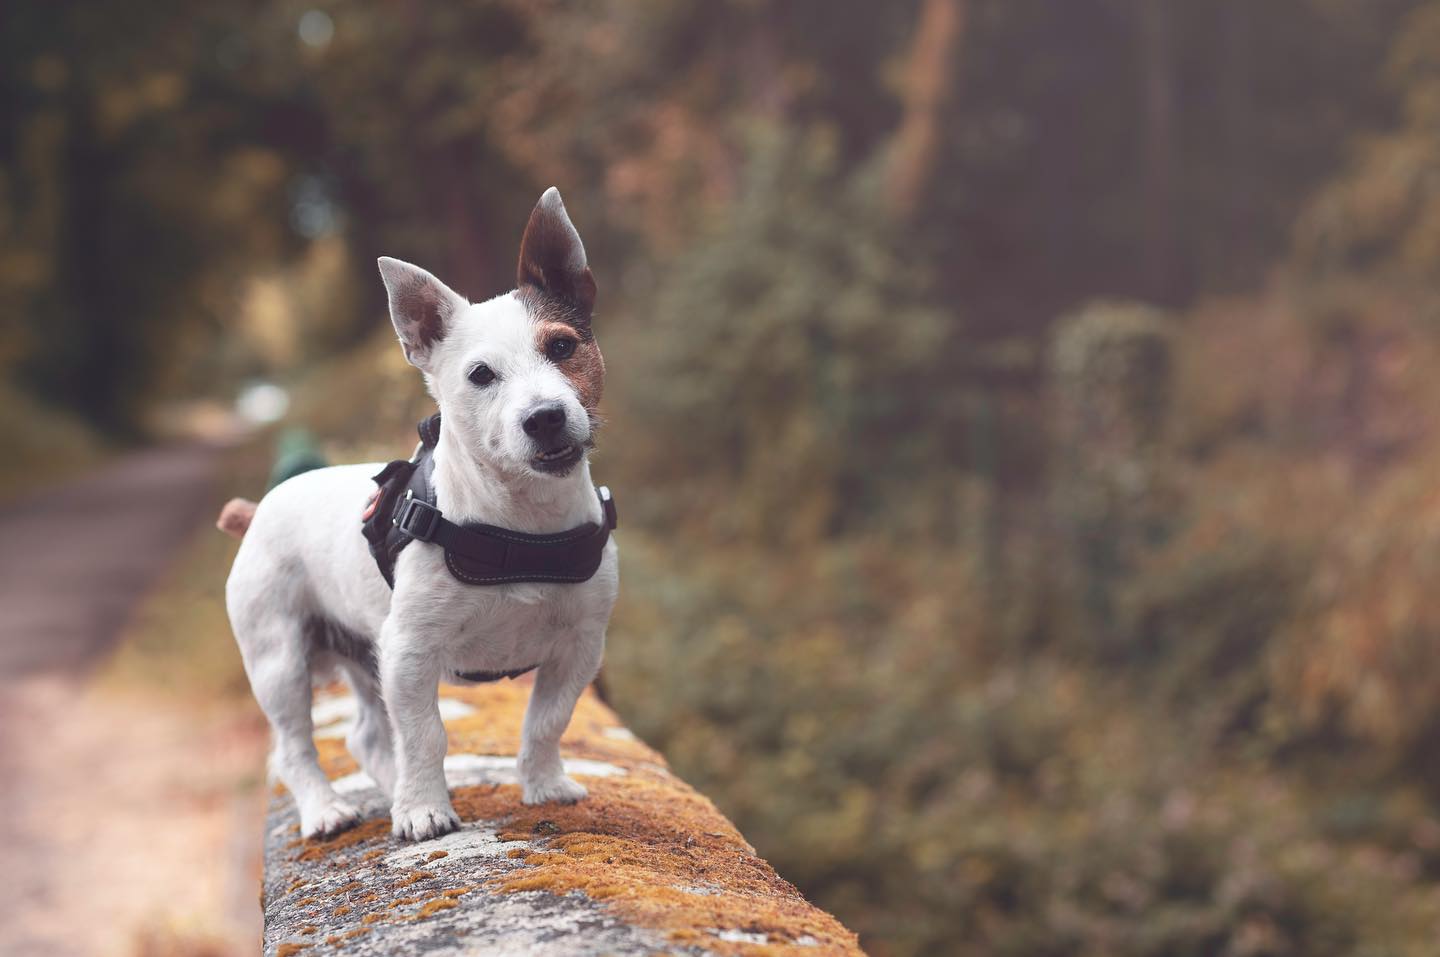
x,y
421,307
552,257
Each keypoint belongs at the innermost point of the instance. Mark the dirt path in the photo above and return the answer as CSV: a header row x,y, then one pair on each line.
x,y
128,825
75,559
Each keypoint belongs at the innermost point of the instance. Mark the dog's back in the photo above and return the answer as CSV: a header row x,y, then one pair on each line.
x,y
302,554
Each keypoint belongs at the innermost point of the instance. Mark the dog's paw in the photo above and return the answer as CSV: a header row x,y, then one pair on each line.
x,y
559,789
423,823
337,816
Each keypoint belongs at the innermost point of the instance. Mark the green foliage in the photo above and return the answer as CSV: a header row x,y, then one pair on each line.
x,y
796,322
867,728
127,206
1383,216
41,443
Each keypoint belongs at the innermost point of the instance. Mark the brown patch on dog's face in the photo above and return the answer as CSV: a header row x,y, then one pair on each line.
x,y
584,367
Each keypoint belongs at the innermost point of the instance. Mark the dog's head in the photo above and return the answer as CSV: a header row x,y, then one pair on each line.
x,y
518,378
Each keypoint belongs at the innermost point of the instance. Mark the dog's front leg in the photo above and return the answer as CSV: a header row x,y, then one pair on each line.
x,y
410,682
558,684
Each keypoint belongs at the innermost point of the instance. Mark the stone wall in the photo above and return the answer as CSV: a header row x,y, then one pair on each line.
x,y
644,865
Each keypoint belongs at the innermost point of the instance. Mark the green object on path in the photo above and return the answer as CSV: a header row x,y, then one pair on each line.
x,y
296,451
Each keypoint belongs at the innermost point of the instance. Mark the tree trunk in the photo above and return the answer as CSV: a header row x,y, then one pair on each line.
x,y
928,87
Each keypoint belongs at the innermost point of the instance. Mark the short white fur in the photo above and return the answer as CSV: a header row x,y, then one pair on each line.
x,y
303,559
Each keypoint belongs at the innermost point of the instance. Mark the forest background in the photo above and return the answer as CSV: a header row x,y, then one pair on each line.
x,y
1022,413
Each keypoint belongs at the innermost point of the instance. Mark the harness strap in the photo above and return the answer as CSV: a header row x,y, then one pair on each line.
x,y
404,510
481,554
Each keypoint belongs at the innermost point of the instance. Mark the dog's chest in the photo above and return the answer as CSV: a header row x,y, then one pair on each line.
x,y
516,630
469,628
503,627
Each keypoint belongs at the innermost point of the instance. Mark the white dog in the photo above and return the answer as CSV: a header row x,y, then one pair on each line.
x,y
517,380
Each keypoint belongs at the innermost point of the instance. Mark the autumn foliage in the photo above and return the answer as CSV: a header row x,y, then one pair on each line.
x,y
1023,415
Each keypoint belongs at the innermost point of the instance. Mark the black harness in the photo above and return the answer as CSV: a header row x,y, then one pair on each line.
x,y
403,510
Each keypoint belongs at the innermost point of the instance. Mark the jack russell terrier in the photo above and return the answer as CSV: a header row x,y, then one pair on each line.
x,y
485,556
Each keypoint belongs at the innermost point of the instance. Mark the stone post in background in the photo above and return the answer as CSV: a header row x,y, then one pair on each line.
x,y
1110,368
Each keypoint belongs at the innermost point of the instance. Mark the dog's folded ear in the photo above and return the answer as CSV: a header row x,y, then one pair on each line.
x,y
552,257
421,307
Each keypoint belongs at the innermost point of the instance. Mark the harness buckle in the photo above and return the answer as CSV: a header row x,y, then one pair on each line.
x,y
607,503
417,518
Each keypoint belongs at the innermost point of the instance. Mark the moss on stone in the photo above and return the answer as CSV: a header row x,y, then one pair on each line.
x,y
416,878
365,831
433,907
655,851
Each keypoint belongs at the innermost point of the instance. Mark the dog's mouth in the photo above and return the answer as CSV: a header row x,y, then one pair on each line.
x,y
558,460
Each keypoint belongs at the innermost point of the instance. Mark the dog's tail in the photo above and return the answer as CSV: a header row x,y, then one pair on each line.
x,y
236,516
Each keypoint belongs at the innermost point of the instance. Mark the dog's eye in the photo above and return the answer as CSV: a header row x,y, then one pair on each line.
x,y
482,375
560,349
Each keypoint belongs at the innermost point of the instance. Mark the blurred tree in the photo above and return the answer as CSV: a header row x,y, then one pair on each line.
x,y
246,131
839,357
128,197
1383,215
929,77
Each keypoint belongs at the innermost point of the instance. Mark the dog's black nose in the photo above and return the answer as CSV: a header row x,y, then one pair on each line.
x,y
545,422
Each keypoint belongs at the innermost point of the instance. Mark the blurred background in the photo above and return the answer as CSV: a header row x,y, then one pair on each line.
x,y
1022,415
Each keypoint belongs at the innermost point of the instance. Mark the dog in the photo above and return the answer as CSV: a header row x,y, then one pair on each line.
x,y
518,380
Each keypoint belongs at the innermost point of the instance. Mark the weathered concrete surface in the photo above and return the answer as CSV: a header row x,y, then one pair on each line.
x,y
645,865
